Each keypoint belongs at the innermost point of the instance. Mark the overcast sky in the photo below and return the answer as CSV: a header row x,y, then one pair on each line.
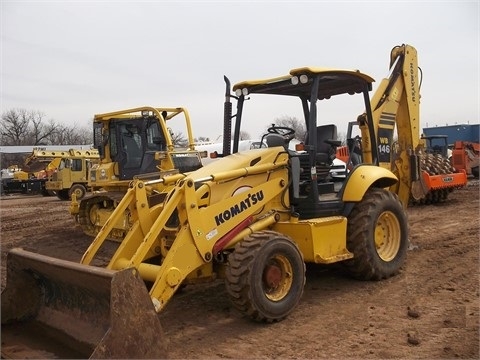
x,y
73,59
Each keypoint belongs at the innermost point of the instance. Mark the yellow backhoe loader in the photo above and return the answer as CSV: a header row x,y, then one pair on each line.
x,y
253,218
133,144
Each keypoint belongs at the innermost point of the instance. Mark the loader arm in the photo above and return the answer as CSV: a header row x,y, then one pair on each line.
x,y
396,106
202,224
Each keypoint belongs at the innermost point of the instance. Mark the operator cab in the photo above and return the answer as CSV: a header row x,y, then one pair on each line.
x,y
313,191
137,140
133,143
436,144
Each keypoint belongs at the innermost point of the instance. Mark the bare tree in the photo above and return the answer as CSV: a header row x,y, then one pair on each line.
x,y
23,127
81,136
244,135
179,140
14,127
39,131
71,135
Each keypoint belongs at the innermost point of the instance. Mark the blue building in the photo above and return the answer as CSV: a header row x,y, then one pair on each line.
x,y
459,132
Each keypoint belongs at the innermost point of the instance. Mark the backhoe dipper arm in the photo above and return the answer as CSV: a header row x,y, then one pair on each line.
x,y
396,103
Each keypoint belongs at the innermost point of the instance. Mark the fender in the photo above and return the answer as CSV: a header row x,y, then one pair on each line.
x,y
362,177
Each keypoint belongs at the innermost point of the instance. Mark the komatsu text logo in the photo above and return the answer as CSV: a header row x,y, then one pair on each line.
x,y
412,82
236,209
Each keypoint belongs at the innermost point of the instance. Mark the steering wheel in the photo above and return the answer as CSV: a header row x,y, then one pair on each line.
x,y
286,132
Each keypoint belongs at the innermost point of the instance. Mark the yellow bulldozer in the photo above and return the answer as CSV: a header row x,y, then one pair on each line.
x,y
133,143
253,218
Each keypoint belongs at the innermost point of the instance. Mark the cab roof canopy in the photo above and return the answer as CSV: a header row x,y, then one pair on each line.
x,y
331,82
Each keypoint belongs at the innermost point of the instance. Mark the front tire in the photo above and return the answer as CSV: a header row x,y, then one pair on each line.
x,y
79,190
377,235
265,276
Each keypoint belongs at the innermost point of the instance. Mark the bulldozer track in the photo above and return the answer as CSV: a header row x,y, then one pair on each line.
x,y
86,215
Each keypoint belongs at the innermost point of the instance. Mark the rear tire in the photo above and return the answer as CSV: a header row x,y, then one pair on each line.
x,y
377,235
79,190
265,276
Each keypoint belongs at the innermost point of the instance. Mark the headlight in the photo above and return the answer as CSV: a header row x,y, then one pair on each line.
x,y
240,92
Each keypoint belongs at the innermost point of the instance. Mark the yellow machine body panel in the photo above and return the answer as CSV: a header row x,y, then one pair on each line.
x,y
362,178
21,175
321,241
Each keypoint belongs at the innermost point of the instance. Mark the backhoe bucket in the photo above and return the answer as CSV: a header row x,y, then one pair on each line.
x,y
53,308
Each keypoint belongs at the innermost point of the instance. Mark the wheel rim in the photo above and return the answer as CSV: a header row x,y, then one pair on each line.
x,y
92,214
277,278
78,193
387,236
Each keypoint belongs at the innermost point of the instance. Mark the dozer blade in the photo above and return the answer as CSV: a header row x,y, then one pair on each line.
x,y
53,308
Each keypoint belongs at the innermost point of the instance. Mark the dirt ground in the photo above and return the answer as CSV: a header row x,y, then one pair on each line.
x,y
429,311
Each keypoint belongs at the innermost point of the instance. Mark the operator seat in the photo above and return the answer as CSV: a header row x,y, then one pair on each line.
x,y
132,150
273,140
327,144
326,148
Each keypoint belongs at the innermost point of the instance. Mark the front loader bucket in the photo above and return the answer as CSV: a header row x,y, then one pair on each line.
x,y
53,308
